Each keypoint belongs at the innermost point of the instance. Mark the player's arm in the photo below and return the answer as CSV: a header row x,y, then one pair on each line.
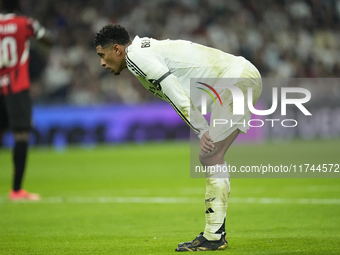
x,y
172,90
184,106
47,39
42,34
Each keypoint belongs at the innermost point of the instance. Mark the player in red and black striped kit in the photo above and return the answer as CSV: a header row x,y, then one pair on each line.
x,y
15,104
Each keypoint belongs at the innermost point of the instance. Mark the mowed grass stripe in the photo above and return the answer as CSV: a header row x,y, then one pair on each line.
x,y
172,200
265,216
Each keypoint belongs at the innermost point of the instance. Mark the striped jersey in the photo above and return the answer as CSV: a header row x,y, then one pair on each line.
x,y
15,32
164,67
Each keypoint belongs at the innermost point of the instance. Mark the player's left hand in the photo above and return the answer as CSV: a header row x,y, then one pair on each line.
x,y
206,143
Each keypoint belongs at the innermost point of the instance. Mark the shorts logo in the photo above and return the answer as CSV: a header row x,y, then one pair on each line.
x,y
204,99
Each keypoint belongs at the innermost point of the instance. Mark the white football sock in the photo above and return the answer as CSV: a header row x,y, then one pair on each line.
x,y
216,203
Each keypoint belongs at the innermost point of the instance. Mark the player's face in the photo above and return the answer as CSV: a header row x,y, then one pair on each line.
x,y
112,57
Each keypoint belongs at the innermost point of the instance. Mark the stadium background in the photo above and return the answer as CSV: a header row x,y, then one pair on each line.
x,y
284,39
132,193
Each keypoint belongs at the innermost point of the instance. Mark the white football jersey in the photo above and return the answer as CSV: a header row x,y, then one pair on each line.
x,y
164,67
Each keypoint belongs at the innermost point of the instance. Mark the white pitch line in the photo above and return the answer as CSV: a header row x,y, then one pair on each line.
x,y
110,200
173,200
263,200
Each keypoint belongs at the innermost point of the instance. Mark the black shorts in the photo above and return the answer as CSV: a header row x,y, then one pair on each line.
x,y
16,111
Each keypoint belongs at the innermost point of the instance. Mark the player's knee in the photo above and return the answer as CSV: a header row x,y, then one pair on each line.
x,y
210,159
204,158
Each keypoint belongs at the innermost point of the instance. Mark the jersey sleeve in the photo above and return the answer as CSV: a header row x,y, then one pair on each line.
x,y
158,74
183,105
34,29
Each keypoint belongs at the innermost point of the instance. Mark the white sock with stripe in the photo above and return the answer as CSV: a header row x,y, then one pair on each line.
x,y
216,203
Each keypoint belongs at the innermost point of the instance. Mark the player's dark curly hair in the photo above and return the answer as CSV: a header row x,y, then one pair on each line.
x,y
112,34
10,6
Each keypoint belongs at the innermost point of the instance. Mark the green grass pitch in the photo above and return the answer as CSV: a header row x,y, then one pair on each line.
x,y
139,199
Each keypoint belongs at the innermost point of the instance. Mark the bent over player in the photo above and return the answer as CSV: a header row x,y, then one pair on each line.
x,y
15,105
165,68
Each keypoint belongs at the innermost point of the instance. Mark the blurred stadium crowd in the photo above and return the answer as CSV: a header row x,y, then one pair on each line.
x,y
287,38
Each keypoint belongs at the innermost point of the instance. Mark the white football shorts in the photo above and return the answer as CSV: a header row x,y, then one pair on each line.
x,y
225,121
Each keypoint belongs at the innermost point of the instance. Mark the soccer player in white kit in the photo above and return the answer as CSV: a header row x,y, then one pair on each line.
x,y
164,67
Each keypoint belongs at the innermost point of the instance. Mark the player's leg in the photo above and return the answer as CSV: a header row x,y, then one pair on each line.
x,y
216,200
217,189
2,132
20,150
19,116
216,156
218,185
3,119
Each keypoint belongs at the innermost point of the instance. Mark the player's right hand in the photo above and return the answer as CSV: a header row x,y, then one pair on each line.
x,y
206,143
